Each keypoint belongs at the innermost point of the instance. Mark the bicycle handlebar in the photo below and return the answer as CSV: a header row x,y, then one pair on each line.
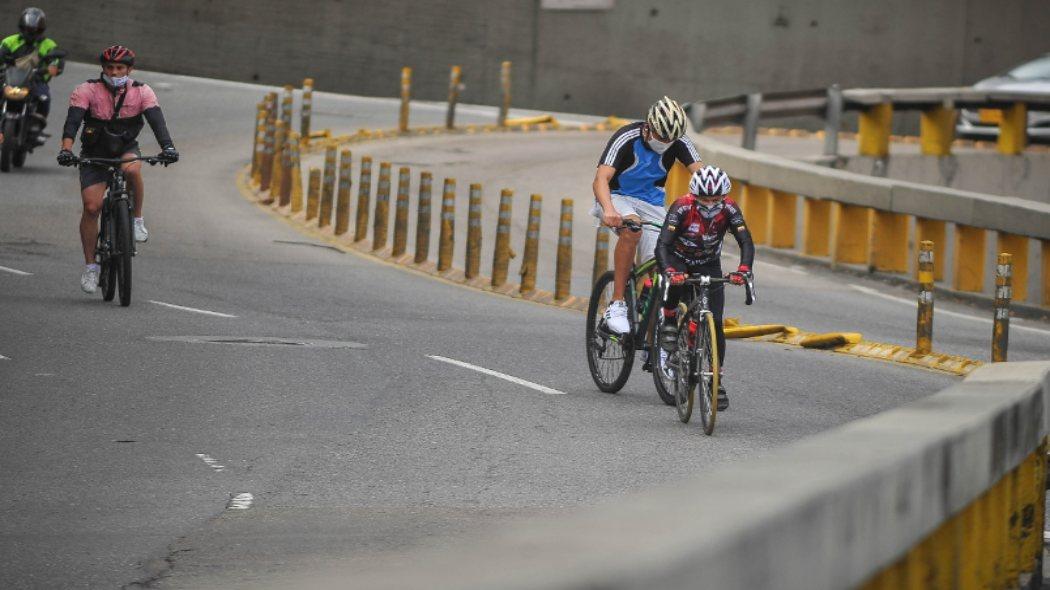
x,y
111,162
701,279
637,227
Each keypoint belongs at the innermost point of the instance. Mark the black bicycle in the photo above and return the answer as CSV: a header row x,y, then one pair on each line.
x,y
696,359
116,240
610,356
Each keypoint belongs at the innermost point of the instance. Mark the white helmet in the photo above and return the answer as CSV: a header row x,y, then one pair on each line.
x,y
710,181
666,119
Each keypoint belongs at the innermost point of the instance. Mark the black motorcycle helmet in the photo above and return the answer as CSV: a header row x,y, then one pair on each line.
x,y
32,24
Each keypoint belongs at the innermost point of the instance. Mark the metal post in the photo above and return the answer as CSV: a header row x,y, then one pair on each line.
x,y
563,272
401,213
505,83
601,254
406,94
751,116
307,110
924,322
473,263
313,193
426,181
268,145
532,245
382,220
833,121
454,87
501,256
327,188
448,225
1001,322
364,195
342,203
295,195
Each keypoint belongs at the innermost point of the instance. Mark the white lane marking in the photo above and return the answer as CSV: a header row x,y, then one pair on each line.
x,y
242,501
503,376
1014,323
4,358
15,271
1046,536
193,309
211,462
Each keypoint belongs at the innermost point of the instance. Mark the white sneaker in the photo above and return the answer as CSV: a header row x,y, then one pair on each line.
x,y
89,280
141,235
616,317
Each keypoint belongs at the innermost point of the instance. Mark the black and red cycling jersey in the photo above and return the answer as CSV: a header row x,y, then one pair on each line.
x,y
692,237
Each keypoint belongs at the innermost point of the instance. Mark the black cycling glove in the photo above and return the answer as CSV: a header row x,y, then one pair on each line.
x,y
66,158
170,153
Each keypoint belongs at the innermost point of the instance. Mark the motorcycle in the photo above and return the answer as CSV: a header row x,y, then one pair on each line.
x,y
20,125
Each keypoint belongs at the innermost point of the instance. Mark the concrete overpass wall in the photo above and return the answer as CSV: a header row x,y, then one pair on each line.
x,y
596,61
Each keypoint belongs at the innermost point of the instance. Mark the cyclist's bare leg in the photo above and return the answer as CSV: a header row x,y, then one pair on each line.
x,y
92,199
133,172
623,257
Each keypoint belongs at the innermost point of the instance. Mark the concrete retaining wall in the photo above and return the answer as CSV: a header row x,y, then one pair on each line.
x,y
606,61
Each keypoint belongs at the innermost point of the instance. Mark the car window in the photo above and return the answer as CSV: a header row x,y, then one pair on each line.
x,y
1037,68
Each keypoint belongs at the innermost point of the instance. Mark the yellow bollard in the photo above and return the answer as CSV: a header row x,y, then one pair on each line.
x,y
782,219
852,234
1017,247
937,130
1030,537
454,85
935,231
924,323
501,255
406,94
313,193
1013,129
505,84
306,111
876,123
276,169
889,242
257,140
401,213
266,170
446,239
601,254
284,187
423,218
563,270
327,188
1012,545
532,245
342,202
816,227
296,177
382,214
473,262
1039,516
968,265
364,195
1001,321
756,204
677,183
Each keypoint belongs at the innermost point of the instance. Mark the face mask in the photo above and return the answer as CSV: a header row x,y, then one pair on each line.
x,y
709,212
658,146
116,82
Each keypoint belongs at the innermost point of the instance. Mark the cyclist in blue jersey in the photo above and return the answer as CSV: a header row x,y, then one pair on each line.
x,y
629,185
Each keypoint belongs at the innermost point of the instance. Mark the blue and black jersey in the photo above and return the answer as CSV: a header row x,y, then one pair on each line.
x,y
640,171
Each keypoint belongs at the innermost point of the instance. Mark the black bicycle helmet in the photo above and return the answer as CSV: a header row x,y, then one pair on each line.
x,y
117,54
32,24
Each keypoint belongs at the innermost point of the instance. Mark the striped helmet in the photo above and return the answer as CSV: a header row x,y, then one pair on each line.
x,y
666,119
710,181
117,54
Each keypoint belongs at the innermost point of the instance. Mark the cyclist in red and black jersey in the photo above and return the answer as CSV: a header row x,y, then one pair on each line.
x,y
691,243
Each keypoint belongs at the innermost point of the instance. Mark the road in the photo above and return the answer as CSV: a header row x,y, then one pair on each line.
x,y
131,439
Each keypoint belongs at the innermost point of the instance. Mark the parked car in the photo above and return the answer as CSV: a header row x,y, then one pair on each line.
x,y
1032,76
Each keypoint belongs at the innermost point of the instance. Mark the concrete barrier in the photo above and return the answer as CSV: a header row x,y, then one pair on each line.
x,y
944,492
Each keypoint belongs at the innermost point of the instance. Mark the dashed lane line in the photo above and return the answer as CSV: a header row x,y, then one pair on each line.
x,y
4,358
210,462
192,309
504,376
15,271
242,501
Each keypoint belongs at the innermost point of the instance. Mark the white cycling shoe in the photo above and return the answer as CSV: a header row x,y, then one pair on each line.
x,y
616,317
141,234
89,280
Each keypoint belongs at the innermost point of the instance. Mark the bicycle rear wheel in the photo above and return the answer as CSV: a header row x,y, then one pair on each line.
x,y
122,248
663,371
685,359
609,356
707,371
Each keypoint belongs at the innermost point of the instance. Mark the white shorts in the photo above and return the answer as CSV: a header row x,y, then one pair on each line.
x,y
646,212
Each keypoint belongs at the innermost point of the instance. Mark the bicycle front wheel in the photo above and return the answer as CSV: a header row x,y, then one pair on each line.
x,y
107,280
684,361
661,362
609,356
123,246
707,371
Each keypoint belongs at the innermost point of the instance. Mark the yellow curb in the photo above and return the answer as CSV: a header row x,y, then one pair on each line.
x,y
830,340
738,331
531,120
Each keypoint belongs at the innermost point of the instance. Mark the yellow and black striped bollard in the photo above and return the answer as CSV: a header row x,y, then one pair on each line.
x,y
296,174
924,325
327,188
501,255
504,107
364,197
342,202
313,193
426,181
406,95
1001,322
286,107
446,239
284,188
601,254
266,169
401,213
306,111
532,245
473,262
276,167
382,220
453,96
563,270
257,141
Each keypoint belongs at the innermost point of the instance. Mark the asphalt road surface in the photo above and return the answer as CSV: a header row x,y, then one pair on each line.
x,y
159,445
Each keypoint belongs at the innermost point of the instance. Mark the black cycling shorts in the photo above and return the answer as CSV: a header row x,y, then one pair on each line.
x,y
92,175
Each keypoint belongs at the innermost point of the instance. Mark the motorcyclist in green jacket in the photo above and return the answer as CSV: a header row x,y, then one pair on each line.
x,y
30,38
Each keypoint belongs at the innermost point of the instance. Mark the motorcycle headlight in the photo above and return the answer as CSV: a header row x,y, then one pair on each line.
x,y
15,92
